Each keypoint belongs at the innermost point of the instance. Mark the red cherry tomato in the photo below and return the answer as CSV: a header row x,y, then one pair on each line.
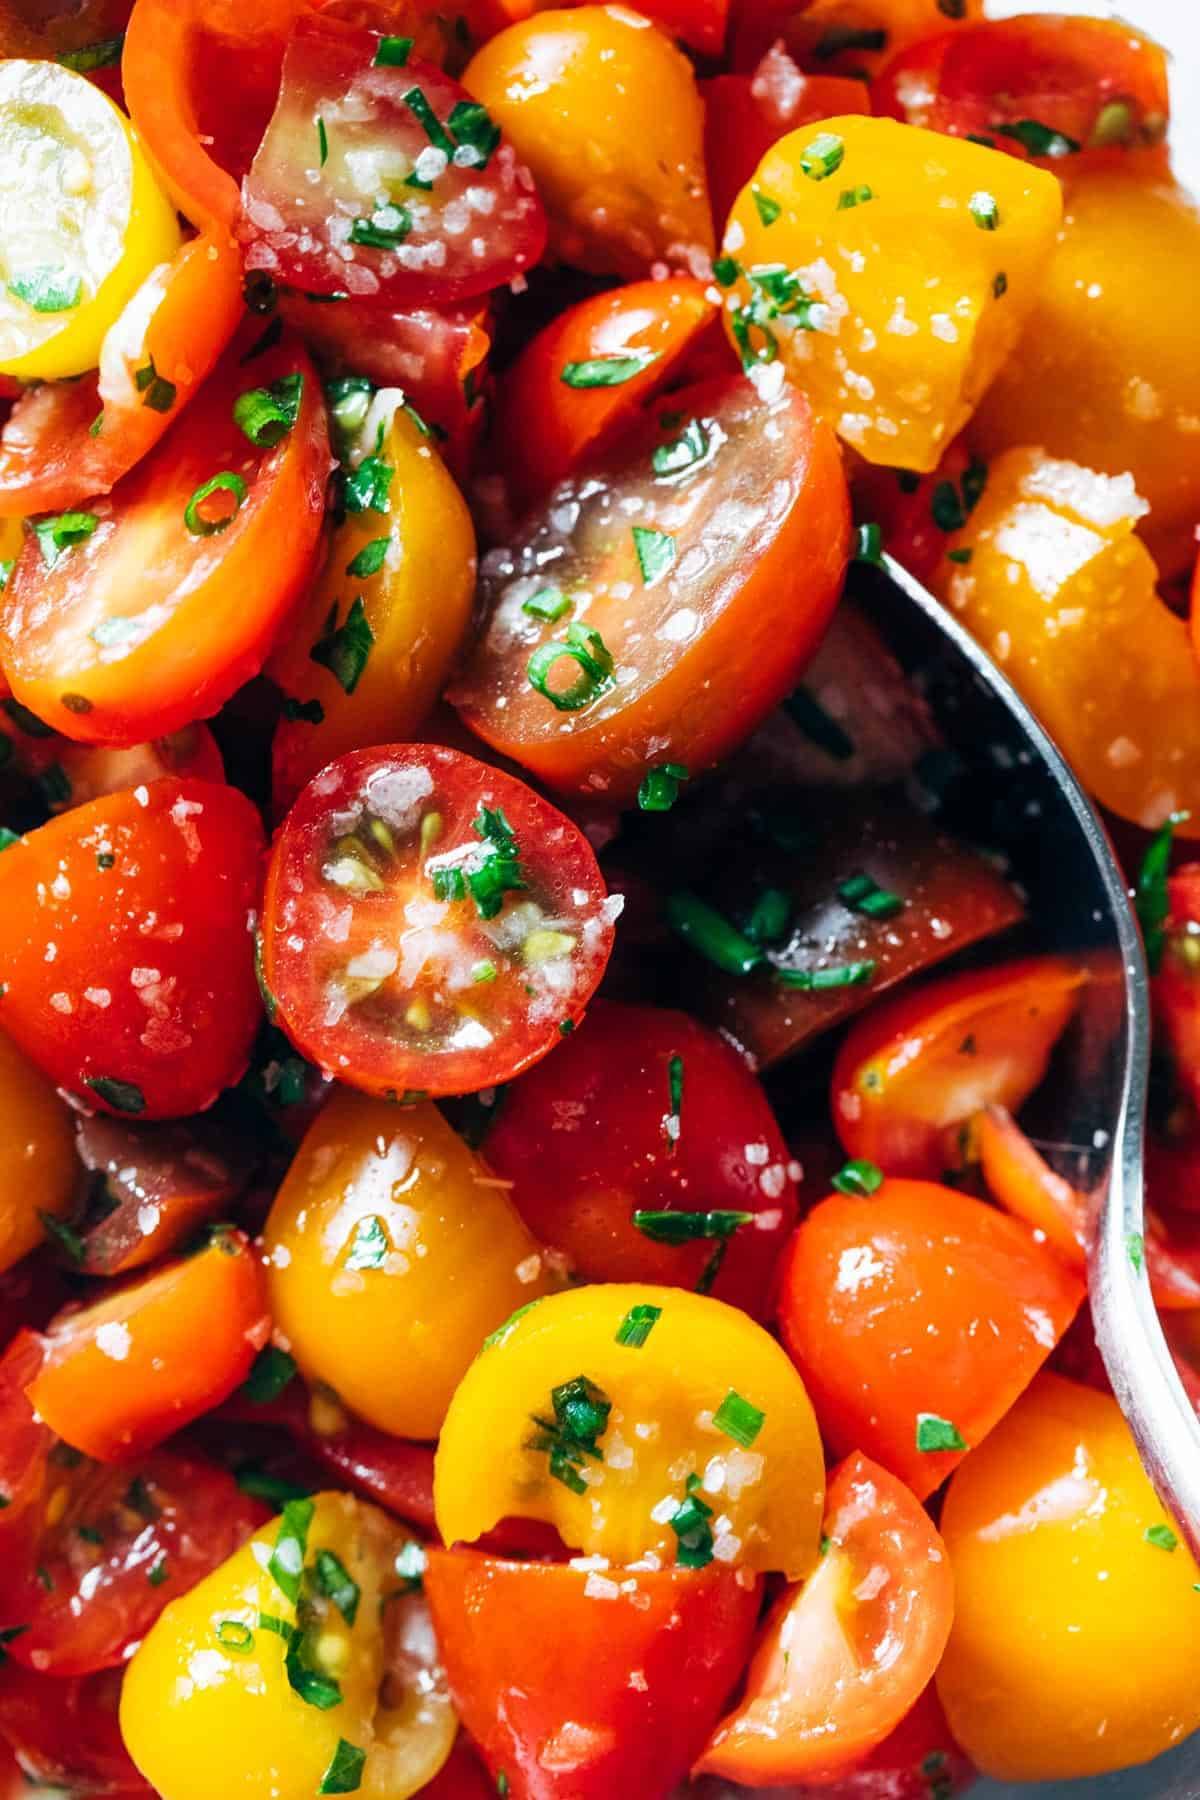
x,y
148,1003
461,214
906,507
461,1777
653,611
1042,88
25,1443
66,1735
430,924
588,373
845,1655
160,1184
1176,989
653,1656
916,1316
66,441
644,1110
919,1760
169,595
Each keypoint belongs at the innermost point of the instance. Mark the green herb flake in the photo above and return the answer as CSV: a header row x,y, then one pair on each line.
x,y
985,211
1135,1250
767,209
265,415
48,290
1151,899
549,604
122,1096
157,392
659,787
8,838
7,1635
739,1419
309,712
681,454
823,981
823,156
410,1565
1162,1537
868,544
581,1411
345,649
607,371
1000,286
805,710
104,54
385,229
961,557
262,1485
370,1246
393,52
331,1578
344,1774
935,1434
287,1558
226,482
655,552
863,894
503,1332
429,122
669,1227
234,1634
158,1573
1039,139
366,489
587,649
271,1372
858,1177
62,532
711,934
950,507
637,1325
690,1524
849,198
725,271
370,559
500,872
322,143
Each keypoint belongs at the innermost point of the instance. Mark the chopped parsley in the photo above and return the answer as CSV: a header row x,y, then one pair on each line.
x,y
581,1412
687,451
344,649
775,293
370,1246
62,532
767,209
607,371
366,488
344,1774
655,552
935,1434
950,507
385,229
287,1558
1162,1537
500,872
272,1370
122,1096
105,53
157,392
370,559
331,1578
858,1177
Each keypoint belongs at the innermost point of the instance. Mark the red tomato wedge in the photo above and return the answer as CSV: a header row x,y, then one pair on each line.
x,y
655,608
148,1004
385,181
65,442
430,924
846,1654
653,1657
66,1735
645,1111
921,1065
160,1184
1042,87
124,1373
147,612
916,1316
589,373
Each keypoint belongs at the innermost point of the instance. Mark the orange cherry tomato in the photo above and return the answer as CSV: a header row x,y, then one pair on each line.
x,y
922,1064
653,610
842,37
160,1183
156,606
126,1372
846,1654
65,442
654,1653
127,961
588,373
916,1316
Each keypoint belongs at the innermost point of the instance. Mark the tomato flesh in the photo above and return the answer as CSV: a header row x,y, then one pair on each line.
x,y
65,1734
430,924
402,193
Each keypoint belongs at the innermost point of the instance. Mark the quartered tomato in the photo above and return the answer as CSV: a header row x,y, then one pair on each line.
x,y
652,610
65,1735
148,1004
654,1653
145,613
430,924
646,1151
1040,86
380,177
158,1185
844,1657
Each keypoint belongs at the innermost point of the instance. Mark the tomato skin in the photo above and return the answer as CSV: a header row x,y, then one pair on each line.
x,y
583,1138
120,1375
575,1727
188,856
545,426
66,1735
194,639
163,1182
901,504
695,675
38,1169
461,1776
952,1309
862,1660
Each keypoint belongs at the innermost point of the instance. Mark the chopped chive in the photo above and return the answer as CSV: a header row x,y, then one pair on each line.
x,y
157,392
370,559
950,507
158,1573
366,490
392,52
370,1246
62,532
581,1411
265,415
1039,139
659,787
858,1177
47,290
122,1096
607,371
104,54
476,131
287,1558
770,917
429,122
637,1325
226,482
503,1332
725,271
262,1485
587,649
272,1370
233,1634
690,1524
668,1227
806,711
410,1565
938,1434
1162,1537
322,143
868,544
962,557
1000,286
710,934
345,649
823,157
484,971
549,603
1135,1250
655,552
821,981
387,227
349,398
500,872
332,1579
768,210
739,1419
984,211
855,196
682,453
1151,899
863,894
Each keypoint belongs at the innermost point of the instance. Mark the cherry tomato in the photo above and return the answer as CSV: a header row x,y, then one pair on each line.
x,y
589,373
1075,1603
429,923
25,1443
38,1170
65,1734
1176,989
653,1656
606,112
148,1005
920,1066
1042,87
695,574
123,1373
134,619
160,1183
844,1657
461,1776
645,1111
844,37
77,773
384,180
908,507
916,1316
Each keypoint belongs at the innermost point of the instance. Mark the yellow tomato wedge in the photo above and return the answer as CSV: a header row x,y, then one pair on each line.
x,y
82,219
641,1422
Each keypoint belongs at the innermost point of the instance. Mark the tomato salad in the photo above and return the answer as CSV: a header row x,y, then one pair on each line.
x,y
526,1262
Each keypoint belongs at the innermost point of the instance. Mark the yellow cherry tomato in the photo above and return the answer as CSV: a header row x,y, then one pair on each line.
x,y
82,219
39,1170
606,112
1062,594
412,567
889,270
638,1420
214,1699
1102,378
12,536
1073,1649
391,1254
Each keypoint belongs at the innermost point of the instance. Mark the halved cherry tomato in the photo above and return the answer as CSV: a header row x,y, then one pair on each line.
x,y
920,1066
645,1111
461,1776
652,612
846,1655
159,1184
134,619
148,1005
842,37
117,1544
384,179
916,1317
1044,87
654,1653
907,507
65,442
65,1734
919,1760
588,373
430,924
127,1371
